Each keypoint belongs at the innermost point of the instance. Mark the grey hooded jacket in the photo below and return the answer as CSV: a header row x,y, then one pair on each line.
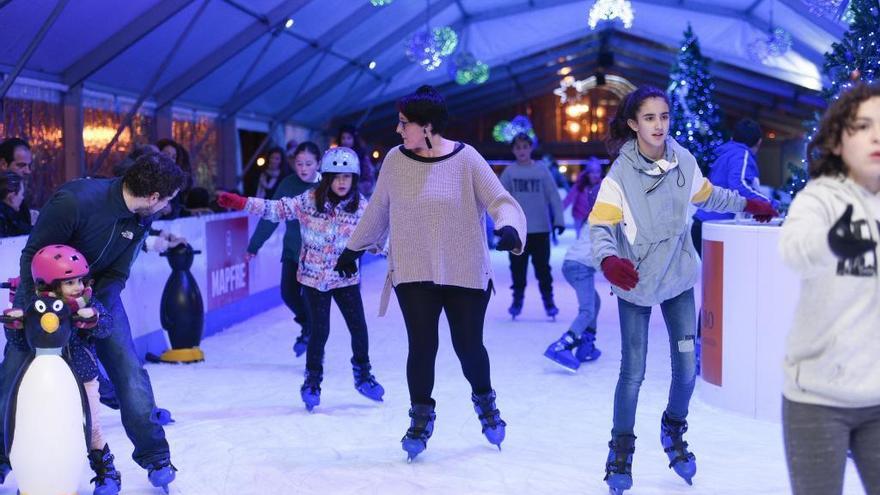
x,y
643,213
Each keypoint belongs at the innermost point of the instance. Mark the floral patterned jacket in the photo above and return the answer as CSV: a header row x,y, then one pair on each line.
x,y
324,235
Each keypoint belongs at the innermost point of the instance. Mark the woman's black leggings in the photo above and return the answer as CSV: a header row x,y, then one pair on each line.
x,y
421,304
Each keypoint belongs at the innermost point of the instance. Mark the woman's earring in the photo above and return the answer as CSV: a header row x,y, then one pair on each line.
x,y
428,141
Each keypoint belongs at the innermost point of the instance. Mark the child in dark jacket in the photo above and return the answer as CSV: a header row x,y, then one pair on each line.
x,y
306,160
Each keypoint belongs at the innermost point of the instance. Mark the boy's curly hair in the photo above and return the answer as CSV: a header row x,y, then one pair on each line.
x,y
838,118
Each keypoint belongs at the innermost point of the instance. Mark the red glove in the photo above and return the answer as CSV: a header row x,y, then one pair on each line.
x,y
231,200
762,210
620,272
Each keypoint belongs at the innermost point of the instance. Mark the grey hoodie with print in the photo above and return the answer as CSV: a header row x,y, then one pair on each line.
x,y
642,213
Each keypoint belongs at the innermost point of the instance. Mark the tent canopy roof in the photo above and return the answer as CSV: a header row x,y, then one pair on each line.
x,y
237,57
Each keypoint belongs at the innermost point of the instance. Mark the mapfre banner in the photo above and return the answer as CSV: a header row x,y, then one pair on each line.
x,y
226,242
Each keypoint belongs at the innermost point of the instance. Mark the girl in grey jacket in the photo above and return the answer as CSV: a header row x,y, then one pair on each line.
x,y
831,395
641,239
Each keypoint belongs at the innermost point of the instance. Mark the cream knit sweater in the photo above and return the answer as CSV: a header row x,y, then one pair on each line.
x,y
432,210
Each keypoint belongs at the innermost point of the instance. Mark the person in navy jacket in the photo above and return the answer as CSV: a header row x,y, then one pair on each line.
x,y
107,221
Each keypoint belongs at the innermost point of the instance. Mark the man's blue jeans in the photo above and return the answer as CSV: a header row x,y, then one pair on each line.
x,y
680,316
125,370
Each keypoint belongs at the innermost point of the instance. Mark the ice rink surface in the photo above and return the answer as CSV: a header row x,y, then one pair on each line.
x,y
242,429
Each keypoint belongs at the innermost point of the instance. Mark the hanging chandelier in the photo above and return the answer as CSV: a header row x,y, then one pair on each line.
x,y
611,10
776,44
427,47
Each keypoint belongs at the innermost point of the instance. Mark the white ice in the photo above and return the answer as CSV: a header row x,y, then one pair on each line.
x,y
242,429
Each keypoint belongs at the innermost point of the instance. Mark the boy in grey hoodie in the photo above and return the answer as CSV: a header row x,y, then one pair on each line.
x,y
640,232
533,187
831,395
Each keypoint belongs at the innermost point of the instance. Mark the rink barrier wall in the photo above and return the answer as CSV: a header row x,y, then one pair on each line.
x,y
748,307
230,292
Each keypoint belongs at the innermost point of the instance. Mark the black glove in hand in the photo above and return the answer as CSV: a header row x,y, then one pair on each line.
x,y
559,229
843,242
509,239
346,265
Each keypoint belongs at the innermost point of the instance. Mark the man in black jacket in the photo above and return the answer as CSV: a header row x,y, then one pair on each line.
x,y
107,220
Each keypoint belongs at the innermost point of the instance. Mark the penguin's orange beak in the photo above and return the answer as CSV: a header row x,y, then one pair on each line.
x,y
49,322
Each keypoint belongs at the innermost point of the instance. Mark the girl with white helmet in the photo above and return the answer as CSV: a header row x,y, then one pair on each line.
x,y
328,216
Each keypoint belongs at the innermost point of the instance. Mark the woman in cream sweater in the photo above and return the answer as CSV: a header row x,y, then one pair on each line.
x,y
430,203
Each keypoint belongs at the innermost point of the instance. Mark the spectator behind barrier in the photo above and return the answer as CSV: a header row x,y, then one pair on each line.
x,y
11,198
180,155
16,157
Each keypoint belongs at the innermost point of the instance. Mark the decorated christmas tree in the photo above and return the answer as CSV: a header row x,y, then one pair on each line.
x,y
856,57
694,113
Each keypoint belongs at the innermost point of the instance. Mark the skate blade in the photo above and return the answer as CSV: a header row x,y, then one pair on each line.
x,y
566,368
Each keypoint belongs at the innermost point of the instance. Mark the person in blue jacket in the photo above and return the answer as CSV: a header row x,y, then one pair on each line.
x,y
735,168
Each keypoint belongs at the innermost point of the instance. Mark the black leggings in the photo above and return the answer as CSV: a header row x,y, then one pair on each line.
x,y
421,304
292,294
348,300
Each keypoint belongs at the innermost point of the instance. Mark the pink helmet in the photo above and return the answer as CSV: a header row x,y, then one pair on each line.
x,y
58,262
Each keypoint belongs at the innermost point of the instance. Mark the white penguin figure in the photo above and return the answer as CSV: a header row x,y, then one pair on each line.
x,y
47,420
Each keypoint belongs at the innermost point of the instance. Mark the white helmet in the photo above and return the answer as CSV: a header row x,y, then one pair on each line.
x,y
340,160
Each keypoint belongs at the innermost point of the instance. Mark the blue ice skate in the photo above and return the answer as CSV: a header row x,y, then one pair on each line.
x,y
311,389
516,306
161,416
560,352
490,418
586,347
683,462
618,468
366,383
107,480
421,427
161,474
301,345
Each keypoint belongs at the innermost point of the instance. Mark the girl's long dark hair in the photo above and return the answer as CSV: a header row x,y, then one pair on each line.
x,y
619,131
323,194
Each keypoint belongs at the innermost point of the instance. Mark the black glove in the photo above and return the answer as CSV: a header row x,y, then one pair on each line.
x,y
559,229
843,242
346,265
509,239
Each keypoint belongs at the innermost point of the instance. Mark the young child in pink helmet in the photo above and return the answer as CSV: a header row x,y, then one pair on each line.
x,y
61,271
